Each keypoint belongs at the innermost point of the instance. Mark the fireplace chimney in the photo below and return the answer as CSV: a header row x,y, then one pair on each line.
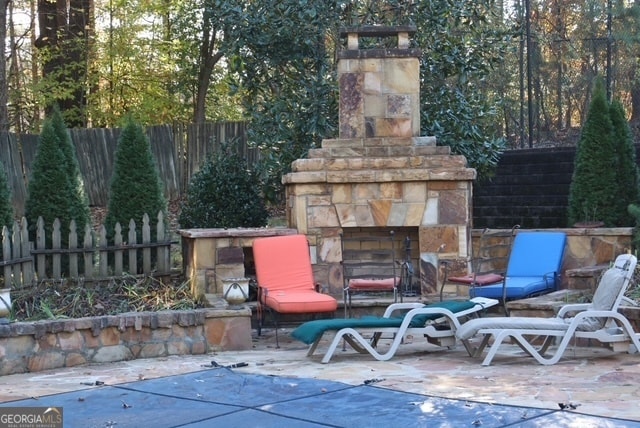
x,y
380,174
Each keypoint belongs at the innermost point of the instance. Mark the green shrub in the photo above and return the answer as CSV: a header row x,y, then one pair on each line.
x,y
50,190
225,192
78,202
6,208
593,187
626,168
135,188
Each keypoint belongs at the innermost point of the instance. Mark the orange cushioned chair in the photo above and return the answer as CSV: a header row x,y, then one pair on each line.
x,y
285,279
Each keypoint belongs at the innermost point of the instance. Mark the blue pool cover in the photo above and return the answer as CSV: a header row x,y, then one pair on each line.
x,y
221,397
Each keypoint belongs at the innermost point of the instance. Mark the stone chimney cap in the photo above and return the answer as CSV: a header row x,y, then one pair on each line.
x,y
378,30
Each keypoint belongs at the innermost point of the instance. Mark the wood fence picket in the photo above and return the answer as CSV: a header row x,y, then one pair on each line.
x,y
24,264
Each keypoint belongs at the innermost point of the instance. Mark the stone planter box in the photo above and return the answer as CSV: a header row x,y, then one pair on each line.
x,y
44,345
213,255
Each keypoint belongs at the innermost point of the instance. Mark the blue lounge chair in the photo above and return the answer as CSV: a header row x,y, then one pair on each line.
x,y
533,268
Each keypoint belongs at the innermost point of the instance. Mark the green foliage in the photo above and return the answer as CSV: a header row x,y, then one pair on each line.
x,y
63,52
634,211
50,190
225,192
279,59
157,76
284,63
79,203
463,44
55,187
626,168
6,208
285,71
593,190
142,76
135,187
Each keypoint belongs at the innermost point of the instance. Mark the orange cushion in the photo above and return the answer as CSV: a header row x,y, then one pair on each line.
x,y
292,302
285,275
283,263
373,283
484,279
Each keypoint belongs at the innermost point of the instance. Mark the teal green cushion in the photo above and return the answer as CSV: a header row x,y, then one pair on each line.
x,y
310,331
451,305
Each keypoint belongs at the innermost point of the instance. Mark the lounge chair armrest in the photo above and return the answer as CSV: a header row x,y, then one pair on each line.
x,y
629,302
574,307
446,314
400,307
597,314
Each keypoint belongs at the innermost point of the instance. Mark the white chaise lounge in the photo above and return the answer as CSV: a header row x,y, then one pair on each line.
x,y
599,320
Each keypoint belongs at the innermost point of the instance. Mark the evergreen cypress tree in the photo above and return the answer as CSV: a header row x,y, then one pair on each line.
x,y
78,204
626,169
135,187
49,190
6,208
593,186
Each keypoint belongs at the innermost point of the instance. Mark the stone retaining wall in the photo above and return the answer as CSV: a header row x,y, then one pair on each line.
x,y
585,248
43,345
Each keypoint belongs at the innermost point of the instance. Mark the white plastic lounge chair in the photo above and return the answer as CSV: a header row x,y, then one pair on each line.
x,y
437,322
598,320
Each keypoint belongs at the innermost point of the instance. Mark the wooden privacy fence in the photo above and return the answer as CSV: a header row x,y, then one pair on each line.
x,y
95,258
178,150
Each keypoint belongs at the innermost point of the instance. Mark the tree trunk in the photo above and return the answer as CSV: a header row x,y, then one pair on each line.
x,y
635,90
4,95
77,53
635,99
64,35
208,60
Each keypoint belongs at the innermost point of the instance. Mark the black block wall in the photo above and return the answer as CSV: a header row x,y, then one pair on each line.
x,y
530,188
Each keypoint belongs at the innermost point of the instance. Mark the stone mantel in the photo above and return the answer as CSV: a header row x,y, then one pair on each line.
x,y
236,232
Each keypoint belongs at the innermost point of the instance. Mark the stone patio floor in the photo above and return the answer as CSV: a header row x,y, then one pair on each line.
x,y
594,380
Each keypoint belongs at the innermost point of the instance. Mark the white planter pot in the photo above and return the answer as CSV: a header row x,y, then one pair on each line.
x,y
235,290
5,302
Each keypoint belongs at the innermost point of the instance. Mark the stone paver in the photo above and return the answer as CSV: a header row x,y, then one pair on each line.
x,y
600,382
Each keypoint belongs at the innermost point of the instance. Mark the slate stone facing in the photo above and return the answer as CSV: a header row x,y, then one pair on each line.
x,y
44,345
380,174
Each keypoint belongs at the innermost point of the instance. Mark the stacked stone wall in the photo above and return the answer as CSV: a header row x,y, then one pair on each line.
x,y
43,345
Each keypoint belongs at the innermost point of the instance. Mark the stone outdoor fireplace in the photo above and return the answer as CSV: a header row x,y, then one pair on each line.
x,y
380,174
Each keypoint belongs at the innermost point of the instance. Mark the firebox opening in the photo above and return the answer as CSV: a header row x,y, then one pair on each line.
x,y
407,252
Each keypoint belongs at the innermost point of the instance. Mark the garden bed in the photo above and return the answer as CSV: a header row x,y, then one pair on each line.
x,y
68,299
